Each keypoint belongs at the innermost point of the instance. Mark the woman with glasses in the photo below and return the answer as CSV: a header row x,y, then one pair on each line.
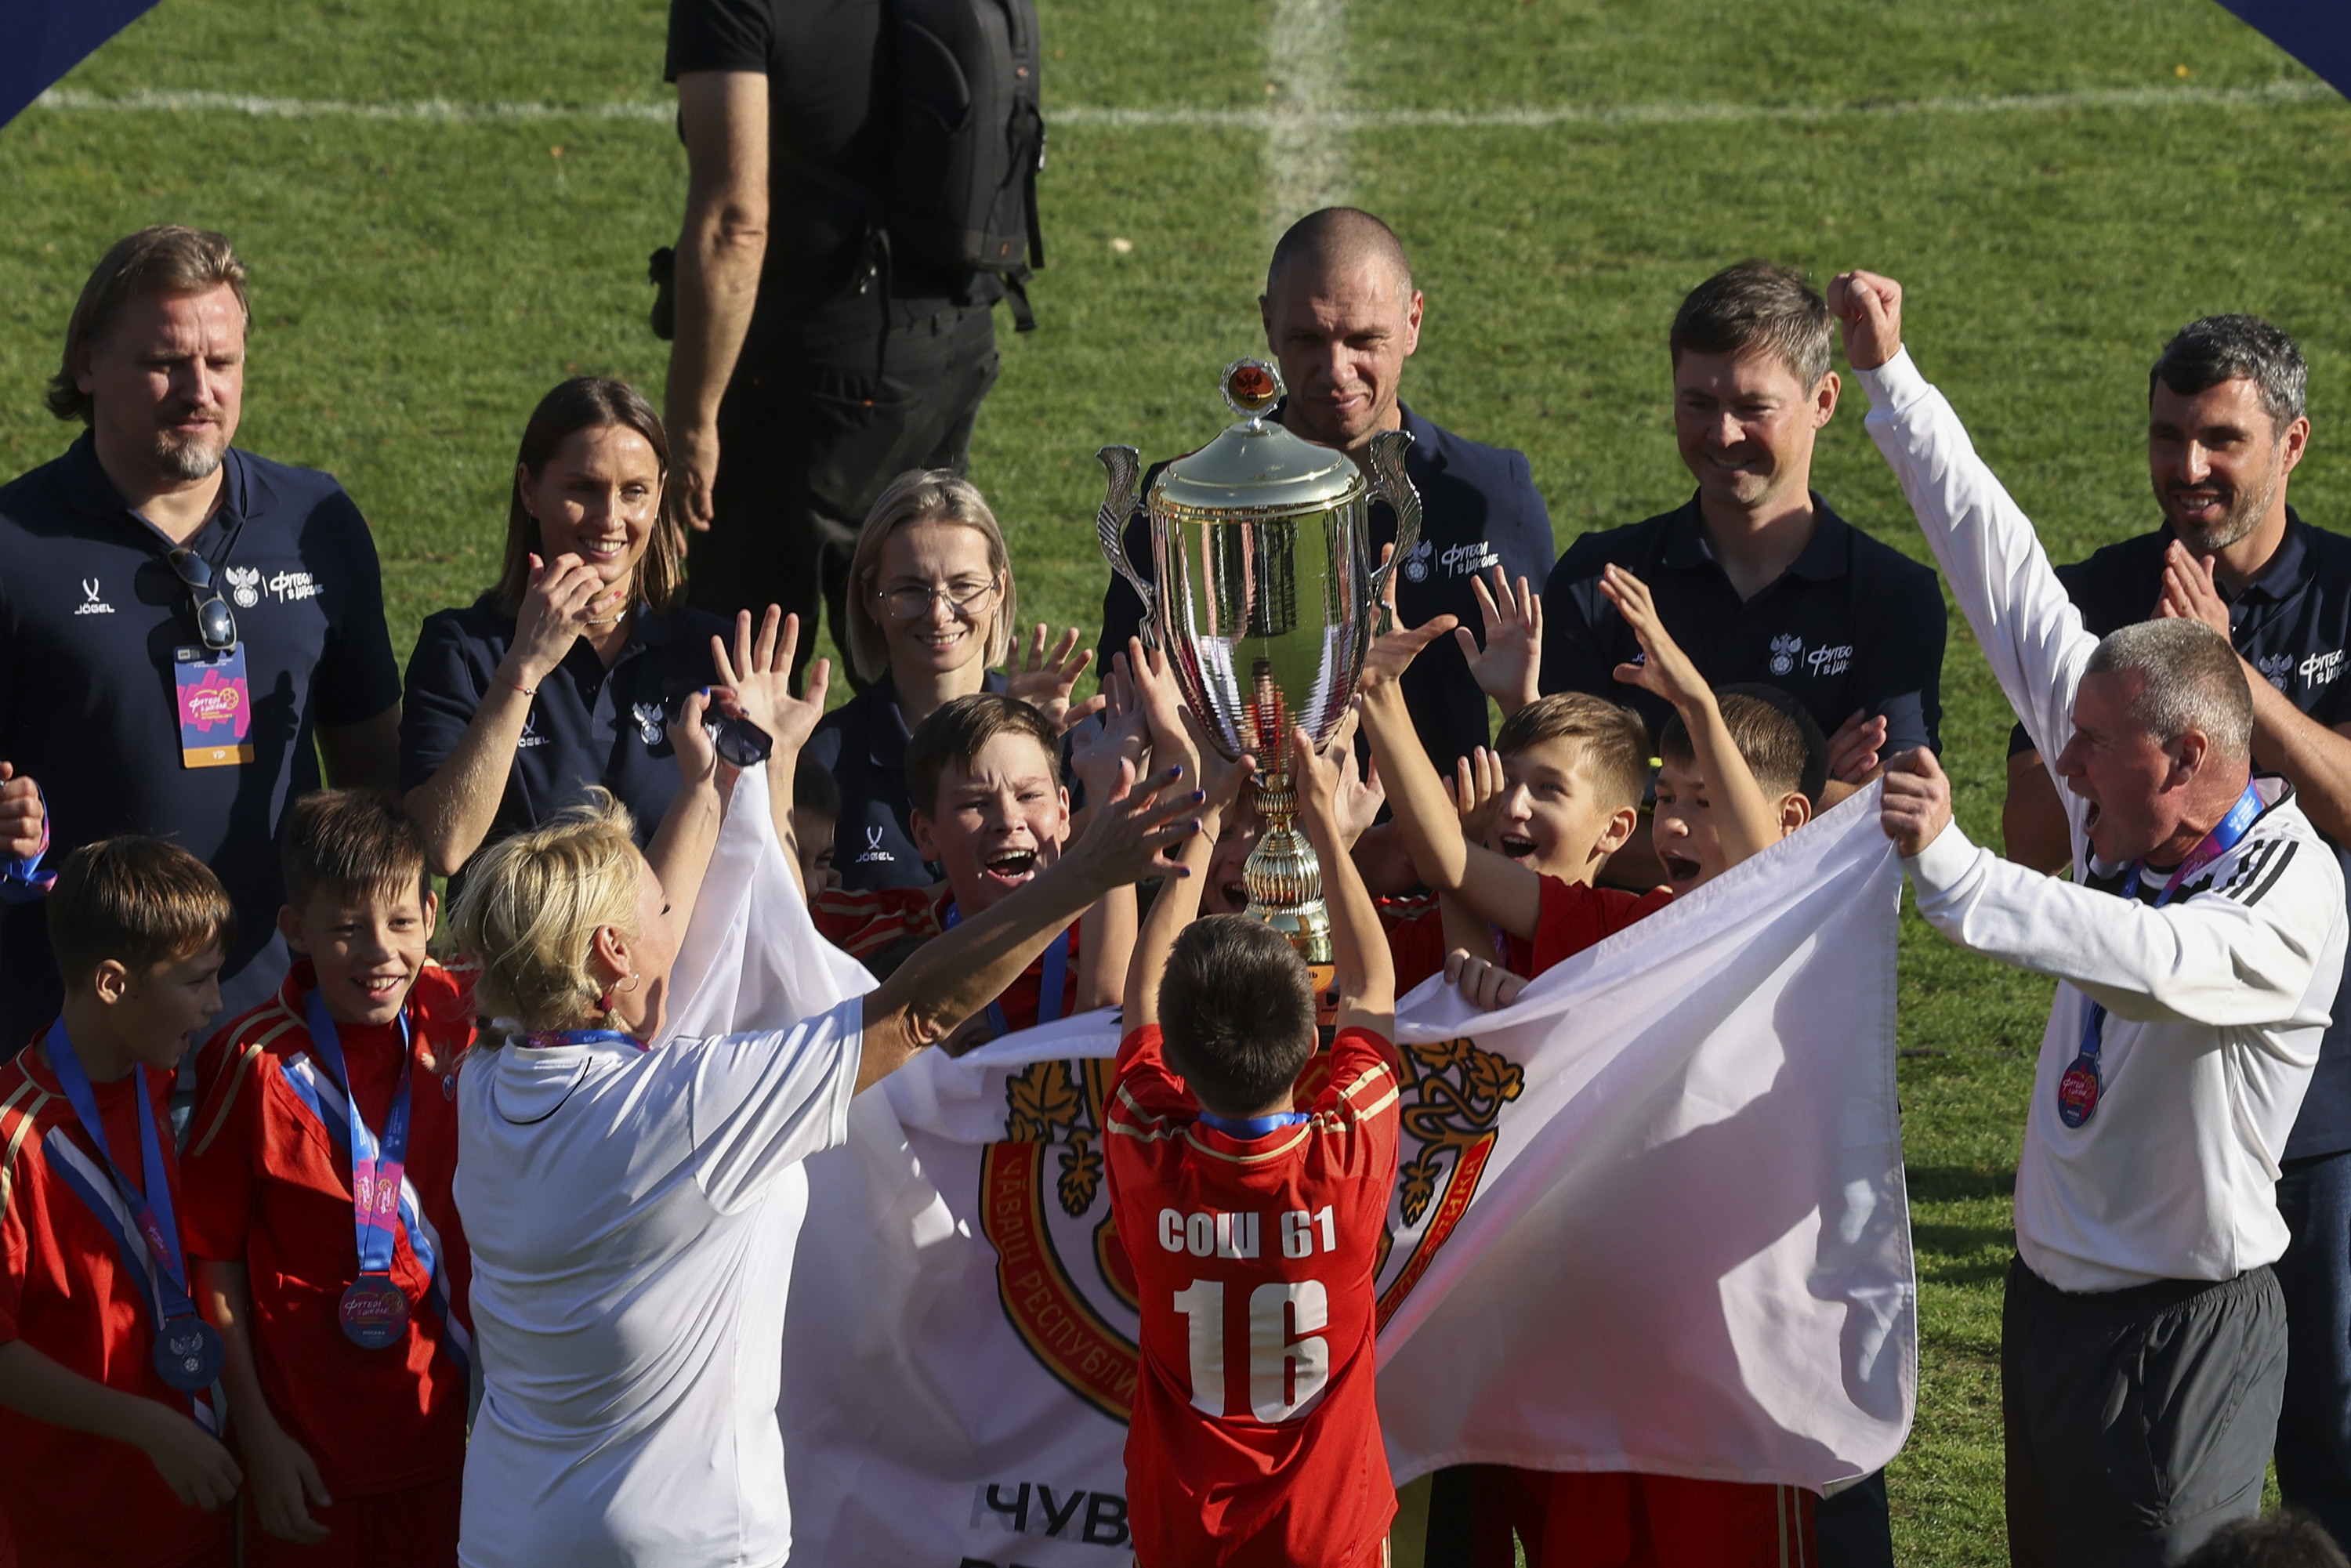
x,y
932,609
564,677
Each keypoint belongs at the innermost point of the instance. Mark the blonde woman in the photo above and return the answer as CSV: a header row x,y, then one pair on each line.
x,y
932,610
631,1239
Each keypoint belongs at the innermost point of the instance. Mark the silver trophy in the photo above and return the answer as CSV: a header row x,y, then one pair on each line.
x,y
1265,596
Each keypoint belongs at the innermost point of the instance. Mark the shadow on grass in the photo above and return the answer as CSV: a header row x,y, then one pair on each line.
x,y
1957,1184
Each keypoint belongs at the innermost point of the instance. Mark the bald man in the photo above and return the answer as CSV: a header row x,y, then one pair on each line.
x,y
1341,317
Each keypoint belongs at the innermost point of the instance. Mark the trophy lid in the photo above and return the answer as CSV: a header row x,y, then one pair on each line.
x,y
1257,464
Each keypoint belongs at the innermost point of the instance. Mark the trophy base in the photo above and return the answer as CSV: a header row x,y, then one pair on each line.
x,y
1284,877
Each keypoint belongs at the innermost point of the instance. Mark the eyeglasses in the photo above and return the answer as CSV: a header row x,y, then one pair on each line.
x,y
738,742
215,621
910,600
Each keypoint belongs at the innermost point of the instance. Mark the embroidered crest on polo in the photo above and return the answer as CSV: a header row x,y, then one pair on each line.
x,y
648,722
1415,561
244,585
1785,649
91,604
2275,668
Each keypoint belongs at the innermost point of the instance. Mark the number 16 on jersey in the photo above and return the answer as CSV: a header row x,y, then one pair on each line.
x,y
1289,1358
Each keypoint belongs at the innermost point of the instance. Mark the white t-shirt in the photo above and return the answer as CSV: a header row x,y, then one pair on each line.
x,y
632,1216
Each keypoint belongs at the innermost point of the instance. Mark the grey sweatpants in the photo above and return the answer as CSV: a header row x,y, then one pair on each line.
x,y
2138,1421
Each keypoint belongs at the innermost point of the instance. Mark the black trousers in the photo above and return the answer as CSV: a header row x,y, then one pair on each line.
x,y
2138,1421
2313,1440
820,417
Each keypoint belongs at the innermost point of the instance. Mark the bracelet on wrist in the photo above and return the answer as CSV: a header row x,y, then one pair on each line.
x,y
530,690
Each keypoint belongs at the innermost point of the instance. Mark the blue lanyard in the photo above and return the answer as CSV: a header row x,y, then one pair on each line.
x,y
1051,981
1248,1127
377,1166
149,1209
2226,835
581,1036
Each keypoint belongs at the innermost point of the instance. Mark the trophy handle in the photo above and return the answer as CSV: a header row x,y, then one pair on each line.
x,y
1125,466
1389,484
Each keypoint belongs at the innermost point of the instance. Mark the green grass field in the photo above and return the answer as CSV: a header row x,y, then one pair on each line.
x,y
418,282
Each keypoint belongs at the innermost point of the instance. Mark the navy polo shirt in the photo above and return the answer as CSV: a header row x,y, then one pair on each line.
x,y
1853,623
89,613
862,744
2293,624
588,725
1479,510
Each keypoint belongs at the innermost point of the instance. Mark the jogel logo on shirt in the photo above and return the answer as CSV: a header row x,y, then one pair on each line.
x,y
873,850
1062,1273
530,735
245,586
1785,647
91,604
648,722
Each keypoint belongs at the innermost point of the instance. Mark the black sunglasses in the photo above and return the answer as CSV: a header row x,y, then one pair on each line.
x,y
215,621
738,741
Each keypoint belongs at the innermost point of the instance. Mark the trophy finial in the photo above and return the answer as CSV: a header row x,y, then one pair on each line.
x,y
1252,388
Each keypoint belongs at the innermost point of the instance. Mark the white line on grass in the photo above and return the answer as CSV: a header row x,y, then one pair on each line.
x,y
1305,137
441,111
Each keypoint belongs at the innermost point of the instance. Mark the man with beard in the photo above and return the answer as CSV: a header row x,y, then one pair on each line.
x,y
179,620
2226,426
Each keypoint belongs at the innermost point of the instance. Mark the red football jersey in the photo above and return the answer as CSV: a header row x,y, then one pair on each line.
x,y
1416,946
1576,917
1256,1436
72,1498
269,1182
864,922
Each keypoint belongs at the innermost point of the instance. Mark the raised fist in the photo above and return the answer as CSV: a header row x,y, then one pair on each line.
x,y
1869,308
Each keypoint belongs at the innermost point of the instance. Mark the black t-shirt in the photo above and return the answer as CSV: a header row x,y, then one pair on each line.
x,y
2293,624
91,611
830,96
1853,624
588,725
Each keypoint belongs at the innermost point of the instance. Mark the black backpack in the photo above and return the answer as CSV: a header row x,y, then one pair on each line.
x,y
967,140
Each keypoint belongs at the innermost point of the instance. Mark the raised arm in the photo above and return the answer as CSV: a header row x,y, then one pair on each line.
x,y
2030,631
1492,887
950,980
1366,974
755,684
1743,819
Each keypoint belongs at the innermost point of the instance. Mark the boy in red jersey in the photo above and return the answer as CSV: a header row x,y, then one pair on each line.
x,y
984,774
1572,1518
1582,781
103,1357
348,1344
1255,1228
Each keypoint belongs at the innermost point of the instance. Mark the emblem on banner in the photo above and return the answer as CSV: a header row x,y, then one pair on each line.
x,y
1062,1272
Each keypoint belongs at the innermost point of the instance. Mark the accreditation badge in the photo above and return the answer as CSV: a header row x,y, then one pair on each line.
x,y
216,707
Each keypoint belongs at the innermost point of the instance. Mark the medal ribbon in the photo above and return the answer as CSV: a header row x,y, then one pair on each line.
x,y
157,1227
376,1163
1052,980
1248,1127
2226,835
553,1038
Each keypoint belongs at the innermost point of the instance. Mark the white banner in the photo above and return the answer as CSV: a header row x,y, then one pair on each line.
x,y
1652,1218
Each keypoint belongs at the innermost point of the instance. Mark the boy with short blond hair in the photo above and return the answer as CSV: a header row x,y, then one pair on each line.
x,y
103,1355
347,1339
1254,1227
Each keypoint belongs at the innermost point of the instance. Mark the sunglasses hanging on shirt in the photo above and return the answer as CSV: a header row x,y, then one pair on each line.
x,y
215,623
